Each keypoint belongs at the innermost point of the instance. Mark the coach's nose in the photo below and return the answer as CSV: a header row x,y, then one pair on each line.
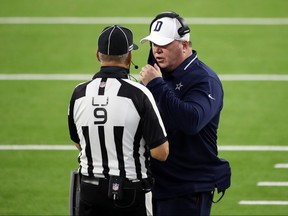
x,y
157,49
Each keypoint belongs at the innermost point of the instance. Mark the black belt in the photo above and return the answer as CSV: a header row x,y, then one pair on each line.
x,y
128,184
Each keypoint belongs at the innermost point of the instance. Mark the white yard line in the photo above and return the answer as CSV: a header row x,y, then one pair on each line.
x,y
72,147
223,77
254,77
284,166
252,148
37,147
262,202
46,76
269,184
143,20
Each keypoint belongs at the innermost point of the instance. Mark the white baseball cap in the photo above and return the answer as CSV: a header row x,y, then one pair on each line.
x,y
165,30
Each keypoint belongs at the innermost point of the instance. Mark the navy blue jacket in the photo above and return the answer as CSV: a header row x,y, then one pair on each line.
x,y
190,100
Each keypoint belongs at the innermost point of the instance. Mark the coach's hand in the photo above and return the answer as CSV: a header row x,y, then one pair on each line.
x,y
149,73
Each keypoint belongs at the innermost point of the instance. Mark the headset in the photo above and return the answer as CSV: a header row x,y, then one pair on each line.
x,y
184,27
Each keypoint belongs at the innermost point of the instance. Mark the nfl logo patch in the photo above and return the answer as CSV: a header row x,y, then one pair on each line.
x,y
115,186
102,84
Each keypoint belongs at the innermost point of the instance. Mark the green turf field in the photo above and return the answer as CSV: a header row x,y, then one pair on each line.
x,y
35,111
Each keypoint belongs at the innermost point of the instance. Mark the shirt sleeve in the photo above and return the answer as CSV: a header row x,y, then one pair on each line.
x,y
71,124
154,132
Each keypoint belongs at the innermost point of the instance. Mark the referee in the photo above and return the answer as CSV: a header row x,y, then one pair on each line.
x,y
116,126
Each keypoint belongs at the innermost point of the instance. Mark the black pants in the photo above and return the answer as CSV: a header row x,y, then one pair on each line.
x,y
197,204
94,201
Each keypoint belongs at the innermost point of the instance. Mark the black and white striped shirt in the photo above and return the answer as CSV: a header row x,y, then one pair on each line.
x,y
116,122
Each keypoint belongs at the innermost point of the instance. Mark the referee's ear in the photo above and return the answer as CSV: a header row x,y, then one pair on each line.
x,y
129,59
97,55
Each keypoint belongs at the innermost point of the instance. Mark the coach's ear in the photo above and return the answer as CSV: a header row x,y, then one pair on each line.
x,y
97,55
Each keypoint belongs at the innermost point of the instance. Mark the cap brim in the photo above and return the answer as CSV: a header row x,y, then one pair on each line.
x,y
132,47
161,41
135,47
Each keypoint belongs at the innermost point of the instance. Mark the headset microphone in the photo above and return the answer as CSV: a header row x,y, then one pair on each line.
x,y
136,66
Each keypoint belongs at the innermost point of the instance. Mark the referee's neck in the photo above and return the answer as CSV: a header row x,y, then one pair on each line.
x,y
115,64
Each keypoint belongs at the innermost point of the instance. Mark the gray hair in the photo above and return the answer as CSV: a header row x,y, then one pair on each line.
x,y
116,58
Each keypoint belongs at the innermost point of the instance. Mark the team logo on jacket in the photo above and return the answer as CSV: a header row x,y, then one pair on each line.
x,y
210,96
179,86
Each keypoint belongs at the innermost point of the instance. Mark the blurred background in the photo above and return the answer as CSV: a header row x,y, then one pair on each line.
x,y
234,38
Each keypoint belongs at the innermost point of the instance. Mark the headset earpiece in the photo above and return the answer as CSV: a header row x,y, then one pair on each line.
x,y
184,29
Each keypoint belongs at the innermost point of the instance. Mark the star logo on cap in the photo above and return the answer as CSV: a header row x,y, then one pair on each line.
x,y
179,86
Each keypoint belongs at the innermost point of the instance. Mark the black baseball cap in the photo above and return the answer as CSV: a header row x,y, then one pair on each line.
x,y
116,40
